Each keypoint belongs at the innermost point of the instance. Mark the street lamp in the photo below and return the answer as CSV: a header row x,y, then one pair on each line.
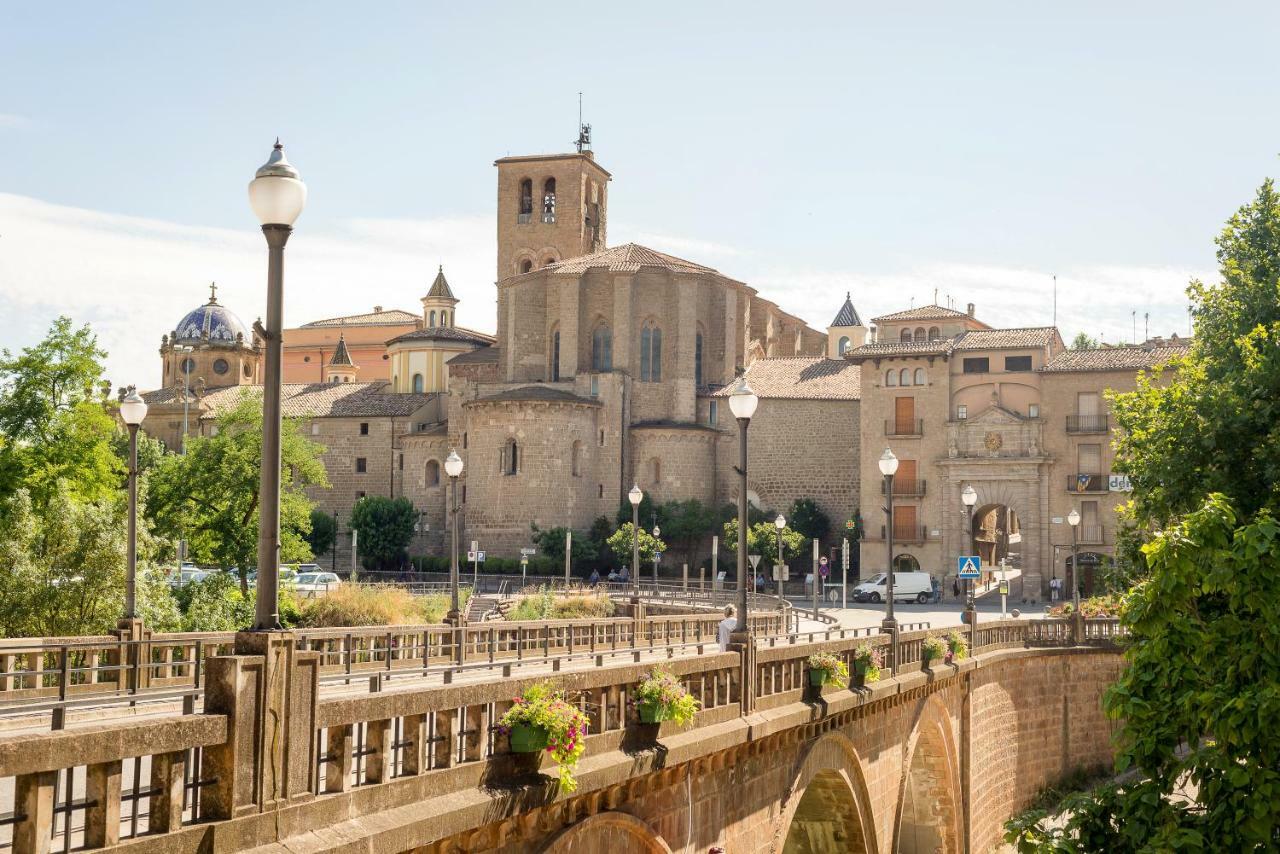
x,y
657,551
1073,519
635,496
969,496
277,197
742,403
453,468
132,410
779,523
888,467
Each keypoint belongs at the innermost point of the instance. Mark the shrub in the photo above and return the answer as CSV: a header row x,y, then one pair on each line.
x,y
358,605
957,648
662,689
542,707
546,605
934,647
837,671
870,659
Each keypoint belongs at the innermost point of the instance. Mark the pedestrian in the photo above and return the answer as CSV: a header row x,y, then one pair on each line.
x,y
595,577
955,587
936,586
726,627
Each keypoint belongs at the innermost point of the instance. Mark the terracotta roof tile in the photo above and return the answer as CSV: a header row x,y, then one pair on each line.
x,y
803,379
309,400
1130,358
392,317
536,392
993,339
627,258
479,355
923,312
444,333
937,347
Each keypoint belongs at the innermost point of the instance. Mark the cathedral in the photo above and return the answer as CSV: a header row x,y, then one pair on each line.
x,y
608,367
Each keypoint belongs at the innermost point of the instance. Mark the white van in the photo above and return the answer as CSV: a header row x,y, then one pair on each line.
x,y
907,586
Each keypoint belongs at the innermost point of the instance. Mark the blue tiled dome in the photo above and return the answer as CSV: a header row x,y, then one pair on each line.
x,y
211,322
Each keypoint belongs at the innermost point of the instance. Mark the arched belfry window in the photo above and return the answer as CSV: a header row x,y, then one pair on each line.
x,y
431,318
526,265
843,346
554,358
697,361
934,333
418,384
511,457
526,201
602,349
444,318
549,200
650,353
905,336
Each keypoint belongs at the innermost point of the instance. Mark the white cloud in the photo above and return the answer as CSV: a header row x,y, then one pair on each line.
x,y
13,121
133,278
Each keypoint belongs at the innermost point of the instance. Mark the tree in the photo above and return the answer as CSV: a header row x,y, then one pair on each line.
x,y
647,512
687,523
599,534
550,544
807,518
385,526
620,543
762,539
210,494
1198,699
324,532
55,426
1083,341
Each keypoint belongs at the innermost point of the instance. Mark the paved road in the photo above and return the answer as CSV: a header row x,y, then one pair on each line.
x,y
939,615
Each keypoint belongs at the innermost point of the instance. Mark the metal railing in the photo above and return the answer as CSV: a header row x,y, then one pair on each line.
x,y
904,427
906,487
907,533
1086,482
1089,535
1088,423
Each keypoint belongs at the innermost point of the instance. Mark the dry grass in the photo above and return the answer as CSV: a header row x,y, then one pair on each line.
x,y
363,605
546,605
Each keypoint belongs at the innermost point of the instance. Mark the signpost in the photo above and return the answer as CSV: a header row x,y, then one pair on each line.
x,y
969,566
524,571
716,575
568,554
844,564
1004,588
754,560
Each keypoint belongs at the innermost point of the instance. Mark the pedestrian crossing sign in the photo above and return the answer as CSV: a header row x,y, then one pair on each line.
x,y
969,566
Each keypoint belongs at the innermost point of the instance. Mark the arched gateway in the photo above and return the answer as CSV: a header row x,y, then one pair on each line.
x,y
828,808
929,798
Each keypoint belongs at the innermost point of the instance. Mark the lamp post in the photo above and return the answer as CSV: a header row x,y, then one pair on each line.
x,y
453,468
888,467
635,496
742,403
277,197
779,523
969,497
132,410
185,349
1073,519
656,554
333,557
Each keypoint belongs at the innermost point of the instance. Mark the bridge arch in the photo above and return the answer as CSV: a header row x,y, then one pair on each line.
x,y
828,806
608,831
928,817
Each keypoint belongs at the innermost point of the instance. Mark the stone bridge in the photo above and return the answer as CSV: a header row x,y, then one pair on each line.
x,y
930,758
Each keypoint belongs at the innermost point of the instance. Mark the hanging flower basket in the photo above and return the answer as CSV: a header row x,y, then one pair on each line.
x,y
867,661
818,678
826,668
528,739
541,721
660,697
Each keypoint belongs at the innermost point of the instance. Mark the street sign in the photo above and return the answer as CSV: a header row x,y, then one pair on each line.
x,y
524,561
755,560
527,552
823,568
475,545
781,572
1004,588
480,557
969,566
471,556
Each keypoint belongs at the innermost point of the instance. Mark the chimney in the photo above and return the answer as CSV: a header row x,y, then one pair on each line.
x,y
970,309
377,309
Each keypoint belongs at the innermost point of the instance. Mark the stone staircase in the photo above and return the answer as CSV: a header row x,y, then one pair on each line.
x,y
480,608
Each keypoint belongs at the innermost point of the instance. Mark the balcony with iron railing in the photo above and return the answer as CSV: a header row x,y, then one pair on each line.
x,y
1089,535
1088,423
1086,482
904,427
905,487
907,533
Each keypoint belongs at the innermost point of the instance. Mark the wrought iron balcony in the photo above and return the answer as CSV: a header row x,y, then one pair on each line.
x,y
905,488
907,533
1089,535
904,427
1088,423
1086,483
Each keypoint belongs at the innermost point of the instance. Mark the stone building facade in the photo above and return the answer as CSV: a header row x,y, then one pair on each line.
x,y
1011,412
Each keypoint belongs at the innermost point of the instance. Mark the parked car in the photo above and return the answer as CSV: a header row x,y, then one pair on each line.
x,y
907,587
288,577
187,574
309,585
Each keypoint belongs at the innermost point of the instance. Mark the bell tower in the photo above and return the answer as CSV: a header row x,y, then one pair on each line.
x,y
550,207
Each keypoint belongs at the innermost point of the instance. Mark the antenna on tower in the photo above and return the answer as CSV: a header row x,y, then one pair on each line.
x,y
1055,299
1135,326
584,131
1146,326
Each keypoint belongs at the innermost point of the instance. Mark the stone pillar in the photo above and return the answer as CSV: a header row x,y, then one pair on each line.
x,y
268,693
733,346
623,322
136,653
684,401
570,327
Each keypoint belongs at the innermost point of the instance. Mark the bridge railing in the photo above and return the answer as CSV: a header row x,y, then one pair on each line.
x,y
266,737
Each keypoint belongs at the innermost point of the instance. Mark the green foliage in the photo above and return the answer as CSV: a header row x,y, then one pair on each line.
x,y
385,526
56,429
323,534
934,648
729,513
1083,341
621,543
647,513
687,523
542,707
550,544
210,494
156,605
957,646
215,604
870,659
599,534
808,519
832,665
661,689
547,605
762,539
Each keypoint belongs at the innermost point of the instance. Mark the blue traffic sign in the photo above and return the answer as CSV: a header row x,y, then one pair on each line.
x,y
969,566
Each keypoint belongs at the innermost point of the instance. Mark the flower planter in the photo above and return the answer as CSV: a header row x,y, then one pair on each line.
x,y
653,713
528,739
818,678
859,672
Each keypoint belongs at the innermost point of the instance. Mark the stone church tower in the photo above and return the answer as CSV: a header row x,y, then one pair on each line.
x,y
550,207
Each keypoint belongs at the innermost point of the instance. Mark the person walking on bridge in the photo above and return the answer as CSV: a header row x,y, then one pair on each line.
x,y
726,627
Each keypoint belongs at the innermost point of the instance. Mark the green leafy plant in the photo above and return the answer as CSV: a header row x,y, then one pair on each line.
x,y
541,707
835,670
546,604
957,648
869,660
934,647
666,698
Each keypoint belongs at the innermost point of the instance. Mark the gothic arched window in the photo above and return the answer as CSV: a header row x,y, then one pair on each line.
x,y
602,349
554,371
697,361
526,200
650,353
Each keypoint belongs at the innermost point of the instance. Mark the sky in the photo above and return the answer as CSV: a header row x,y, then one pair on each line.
x,y
893,151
